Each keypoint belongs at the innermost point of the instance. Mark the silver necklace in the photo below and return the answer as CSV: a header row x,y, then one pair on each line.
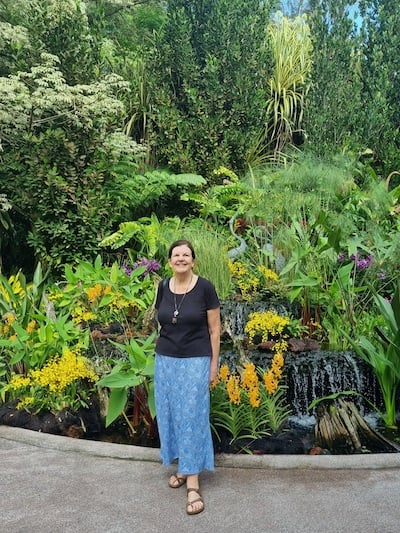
x,y
177,307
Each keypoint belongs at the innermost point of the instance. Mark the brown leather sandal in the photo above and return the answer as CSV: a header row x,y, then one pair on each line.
x,y
190,504
176,481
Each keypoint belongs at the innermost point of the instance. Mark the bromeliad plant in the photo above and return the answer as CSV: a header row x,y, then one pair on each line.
x,y
250,404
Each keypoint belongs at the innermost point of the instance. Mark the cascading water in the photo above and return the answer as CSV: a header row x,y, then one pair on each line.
x,y
312,375
308,375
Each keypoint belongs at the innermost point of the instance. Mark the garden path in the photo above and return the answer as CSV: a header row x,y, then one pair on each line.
x,y
51,484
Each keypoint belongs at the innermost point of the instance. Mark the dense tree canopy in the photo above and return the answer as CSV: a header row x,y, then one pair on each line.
x,y
211,69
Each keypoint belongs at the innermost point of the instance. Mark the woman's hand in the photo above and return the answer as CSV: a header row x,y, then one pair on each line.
x,y
213,371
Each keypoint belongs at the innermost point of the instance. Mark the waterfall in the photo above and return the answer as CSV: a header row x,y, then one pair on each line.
x,y
312,375
307,375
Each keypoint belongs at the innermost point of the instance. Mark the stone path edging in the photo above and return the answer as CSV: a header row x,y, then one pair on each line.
x,y
139,453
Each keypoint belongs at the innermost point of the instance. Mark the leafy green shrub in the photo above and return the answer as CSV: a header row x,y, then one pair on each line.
x,y
57,154
93,293
135,371
209,85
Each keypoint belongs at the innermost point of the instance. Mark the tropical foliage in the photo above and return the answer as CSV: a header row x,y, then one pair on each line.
x,y
93,293
135,371
270,140
210,68
290,44
382,353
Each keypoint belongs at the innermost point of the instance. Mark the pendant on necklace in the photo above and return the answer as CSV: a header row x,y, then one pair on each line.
x,y
177,307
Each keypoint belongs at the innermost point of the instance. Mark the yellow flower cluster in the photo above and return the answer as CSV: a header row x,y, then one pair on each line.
x,y
58,373
9,318
268,273
7,322
26,402
81,314
249,382
93,293
55,295
97,291
95,308
120,302
30,328
267,324
223,373
224,171
247,283
252,283
273,375
280,346
233,389
19,382
237,268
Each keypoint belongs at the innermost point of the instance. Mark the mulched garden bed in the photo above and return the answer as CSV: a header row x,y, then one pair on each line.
x,y
87,424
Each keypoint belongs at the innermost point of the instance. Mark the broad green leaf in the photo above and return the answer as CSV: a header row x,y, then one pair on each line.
x,y
116,404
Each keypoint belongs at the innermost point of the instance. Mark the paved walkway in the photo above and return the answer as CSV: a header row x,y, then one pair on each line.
x,y
51,484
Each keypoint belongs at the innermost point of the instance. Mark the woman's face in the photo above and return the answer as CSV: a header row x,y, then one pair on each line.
x,y
181,260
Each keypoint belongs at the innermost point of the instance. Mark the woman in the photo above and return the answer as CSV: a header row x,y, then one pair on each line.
x,y
187,353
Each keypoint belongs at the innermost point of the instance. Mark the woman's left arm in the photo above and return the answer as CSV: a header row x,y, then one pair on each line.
x,y
214,328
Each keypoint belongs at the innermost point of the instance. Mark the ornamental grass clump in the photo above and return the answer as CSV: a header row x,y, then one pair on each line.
x,y
250,404
64,382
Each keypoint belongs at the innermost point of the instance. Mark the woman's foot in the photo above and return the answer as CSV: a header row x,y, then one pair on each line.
x,y
176,481
195,502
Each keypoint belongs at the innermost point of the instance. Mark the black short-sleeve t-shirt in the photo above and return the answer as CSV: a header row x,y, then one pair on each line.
x,y
189,337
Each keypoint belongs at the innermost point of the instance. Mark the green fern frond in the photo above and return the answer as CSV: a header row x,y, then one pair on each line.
x,y
125,232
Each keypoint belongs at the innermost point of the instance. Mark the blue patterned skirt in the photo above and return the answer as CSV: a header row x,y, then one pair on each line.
x,y
183,412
